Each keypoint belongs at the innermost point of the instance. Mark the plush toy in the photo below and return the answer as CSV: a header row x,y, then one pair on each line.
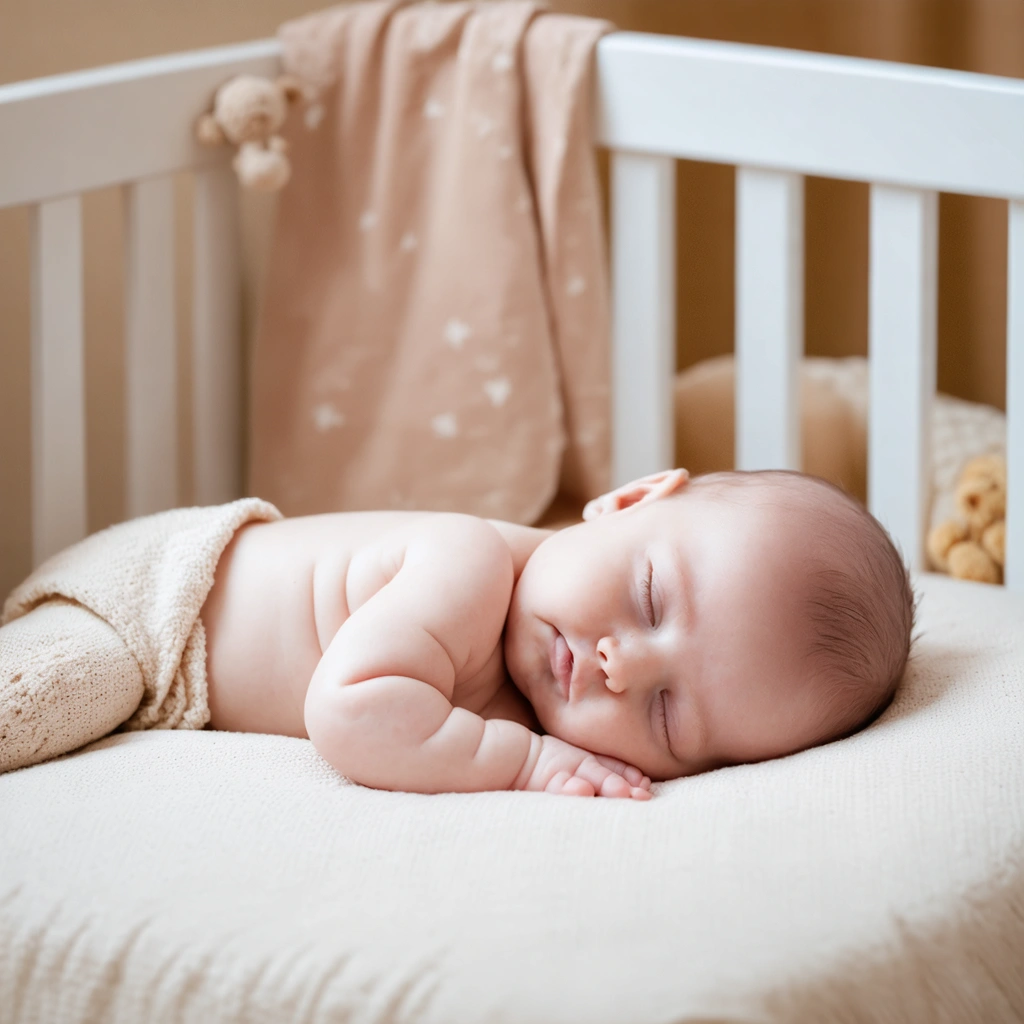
x,y
972,546
247,112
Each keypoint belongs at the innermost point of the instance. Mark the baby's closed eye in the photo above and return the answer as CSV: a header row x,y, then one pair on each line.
x,y
661,701
646,586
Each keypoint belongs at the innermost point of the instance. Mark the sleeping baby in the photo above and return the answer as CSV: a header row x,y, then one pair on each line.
x,y
683,626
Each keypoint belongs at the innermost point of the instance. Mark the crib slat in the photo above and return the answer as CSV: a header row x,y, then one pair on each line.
x,y
58,378
902,343
216,333
150,348
643,310
769,317
1014,575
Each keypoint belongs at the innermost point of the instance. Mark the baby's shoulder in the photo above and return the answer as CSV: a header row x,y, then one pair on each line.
x,y
463,549
456,532
446,575
431,549
445,567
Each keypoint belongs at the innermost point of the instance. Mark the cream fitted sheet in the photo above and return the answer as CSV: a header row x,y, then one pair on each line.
x,y
216,877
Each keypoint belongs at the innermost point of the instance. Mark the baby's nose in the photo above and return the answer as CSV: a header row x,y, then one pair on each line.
x,y
624,665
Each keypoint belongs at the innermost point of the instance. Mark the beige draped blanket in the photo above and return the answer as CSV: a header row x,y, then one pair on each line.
x,y
435,332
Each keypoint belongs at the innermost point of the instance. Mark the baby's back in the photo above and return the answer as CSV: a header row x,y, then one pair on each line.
x,y
282,591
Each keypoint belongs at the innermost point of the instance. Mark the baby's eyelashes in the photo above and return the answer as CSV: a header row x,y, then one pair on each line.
x,y
647,593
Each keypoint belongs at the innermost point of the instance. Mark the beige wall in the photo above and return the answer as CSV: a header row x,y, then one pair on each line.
x,y
50,36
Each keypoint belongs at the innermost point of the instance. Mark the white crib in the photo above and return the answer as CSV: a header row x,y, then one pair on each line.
x,y
893,883
777,115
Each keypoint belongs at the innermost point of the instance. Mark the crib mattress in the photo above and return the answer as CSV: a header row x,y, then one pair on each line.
x,y
219,877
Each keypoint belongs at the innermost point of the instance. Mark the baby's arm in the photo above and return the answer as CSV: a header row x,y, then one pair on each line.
x,y
379,706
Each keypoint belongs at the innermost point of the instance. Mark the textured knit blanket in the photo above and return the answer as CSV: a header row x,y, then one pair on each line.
x,y
107,633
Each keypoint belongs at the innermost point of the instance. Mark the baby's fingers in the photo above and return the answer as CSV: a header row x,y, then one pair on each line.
x,y
569,785
623,780
632,775
615,786
608,783
600,777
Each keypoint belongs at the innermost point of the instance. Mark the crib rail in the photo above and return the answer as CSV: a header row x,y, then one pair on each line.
x,y
68,134
777,115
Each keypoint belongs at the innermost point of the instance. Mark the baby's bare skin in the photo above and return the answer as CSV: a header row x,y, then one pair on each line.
x,y
284,590
445,653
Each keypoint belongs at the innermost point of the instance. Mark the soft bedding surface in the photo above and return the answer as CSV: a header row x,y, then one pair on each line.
x,y
217,877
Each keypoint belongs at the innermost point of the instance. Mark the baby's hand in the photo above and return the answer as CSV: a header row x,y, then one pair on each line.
x,y
563,768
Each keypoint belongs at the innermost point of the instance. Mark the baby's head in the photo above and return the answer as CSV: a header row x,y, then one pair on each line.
x,y
687,624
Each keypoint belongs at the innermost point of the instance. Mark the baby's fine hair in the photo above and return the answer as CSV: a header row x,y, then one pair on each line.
x,y
860,602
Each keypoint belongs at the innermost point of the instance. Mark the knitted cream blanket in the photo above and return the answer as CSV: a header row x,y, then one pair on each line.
x,y
108,633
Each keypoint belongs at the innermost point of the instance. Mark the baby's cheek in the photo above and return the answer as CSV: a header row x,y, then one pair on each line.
x,y
584,729
558,721
551,721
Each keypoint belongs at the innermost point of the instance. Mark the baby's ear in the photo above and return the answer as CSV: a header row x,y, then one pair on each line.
x,y
637,492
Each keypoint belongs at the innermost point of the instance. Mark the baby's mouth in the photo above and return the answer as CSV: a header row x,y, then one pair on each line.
x,y
561,664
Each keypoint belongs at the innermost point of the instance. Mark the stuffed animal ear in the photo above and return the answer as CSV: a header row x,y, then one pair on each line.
x,y
637,492
208,131
291,87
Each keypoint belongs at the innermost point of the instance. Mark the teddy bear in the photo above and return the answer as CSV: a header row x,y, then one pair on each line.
x,y
248,111
972,545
